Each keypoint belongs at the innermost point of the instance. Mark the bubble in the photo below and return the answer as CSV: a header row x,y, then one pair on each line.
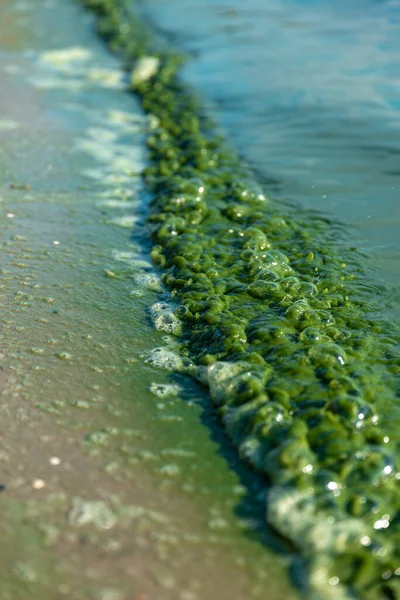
x,y
164,358
165,390
148,281
220,375
164,319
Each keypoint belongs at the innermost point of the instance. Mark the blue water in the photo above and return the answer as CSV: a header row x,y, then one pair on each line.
x,y
309,92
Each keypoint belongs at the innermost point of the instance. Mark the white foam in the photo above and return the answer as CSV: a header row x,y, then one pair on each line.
x,y
145,68
220,376
293,513
149,281
164,358
165,390
107,78
65,60
126,221
164,319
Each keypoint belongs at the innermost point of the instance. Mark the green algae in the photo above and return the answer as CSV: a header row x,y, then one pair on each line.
x,y
277,322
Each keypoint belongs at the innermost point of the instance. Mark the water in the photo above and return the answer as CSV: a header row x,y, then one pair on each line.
x,y
320,127
309,92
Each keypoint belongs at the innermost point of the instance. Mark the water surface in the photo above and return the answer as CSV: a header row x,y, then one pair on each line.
x,y
309,92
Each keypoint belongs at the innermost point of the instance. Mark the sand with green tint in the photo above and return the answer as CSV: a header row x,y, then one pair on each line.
x,y
112,487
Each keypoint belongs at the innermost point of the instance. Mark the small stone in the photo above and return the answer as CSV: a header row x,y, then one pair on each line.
x,y
38,484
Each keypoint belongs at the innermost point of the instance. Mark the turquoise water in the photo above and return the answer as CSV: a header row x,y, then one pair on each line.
x,y
309,92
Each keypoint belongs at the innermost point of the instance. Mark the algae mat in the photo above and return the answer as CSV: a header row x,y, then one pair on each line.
x,y
111,486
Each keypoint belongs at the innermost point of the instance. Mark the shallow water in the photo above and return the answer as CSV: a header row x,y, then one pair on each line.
x,y
309,92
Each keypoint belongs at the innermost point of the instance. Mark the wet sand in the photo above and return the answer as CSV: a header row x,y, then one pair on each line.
x,y
116,484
